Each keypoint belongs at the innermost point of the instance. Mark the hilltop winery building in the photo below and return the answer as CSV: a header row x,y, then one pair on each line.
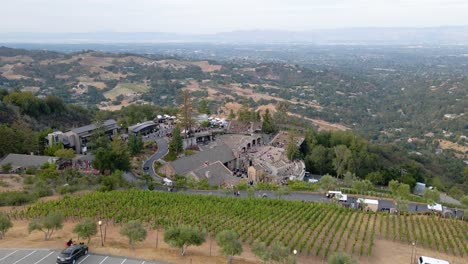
x,y
78,138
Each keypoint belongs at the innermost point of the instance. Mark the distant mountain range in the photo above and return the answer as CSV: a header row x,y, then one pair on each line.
x,y
449,35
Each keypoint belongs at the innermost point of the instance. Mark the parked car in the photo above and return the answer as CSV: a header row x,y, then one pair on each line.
x,y
71,254
385,209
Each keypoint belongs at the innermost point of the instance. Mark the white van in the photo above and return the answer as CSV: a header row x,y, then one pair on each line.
x,y
428,260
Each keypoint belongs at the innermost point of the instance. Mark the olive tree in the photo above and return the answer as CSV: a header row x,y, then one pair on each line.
x,y
362,186
282,191
464,200
86,228
134,231
276,253
229,243
431,196
52,222
279,253
183,236
261,250
327,182
5,224
401,190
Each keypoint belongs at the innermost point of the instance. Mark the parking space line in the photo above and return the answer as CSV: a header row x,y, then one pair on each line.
x,y
25,256
83,259
44,257
103,260
143,262
9,255
123,261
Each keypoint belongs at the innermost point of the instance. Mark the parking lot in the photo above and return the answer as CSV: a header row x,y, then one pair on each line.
x,y
43,256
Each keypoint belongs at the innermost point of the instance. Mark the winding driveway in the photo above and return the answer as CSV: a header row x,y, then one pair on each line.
x,y
162,151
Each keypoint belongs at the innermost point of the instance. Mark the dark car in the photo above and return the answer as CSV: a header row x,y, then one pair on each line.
x,y
72,253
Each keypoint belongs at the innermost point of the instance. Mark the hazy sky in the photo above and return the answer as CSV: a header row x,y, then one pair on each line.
x,y
210,16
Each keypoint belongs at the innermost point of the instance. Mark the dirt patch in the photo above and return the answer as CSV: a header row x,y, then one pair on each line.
x,y
90,60
98,85
226,109
32,89
247,92
62,76
85,79
107,75
111,107
19,58
385,252
11,182
323,125
177,65
213,94
206,66
270,107
463,150
115,244
256,96
174,64
8,72
57,61
193,86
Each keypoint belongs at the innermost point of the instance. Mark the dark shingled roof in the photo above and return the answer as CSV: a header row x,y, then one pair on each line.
x,y
216,174
186,164
138,127
108,124
22,160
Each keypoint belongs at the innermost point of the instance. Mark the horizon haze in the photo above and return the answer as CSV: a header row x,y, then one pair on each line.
x,y
219,16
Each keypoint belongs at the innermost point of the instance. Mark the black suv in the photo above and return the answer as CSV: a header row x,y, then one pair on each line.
x,y
72,253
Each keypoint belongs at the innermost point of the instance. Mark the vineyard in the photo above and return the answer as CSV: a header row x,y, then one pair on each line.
x,y
311,228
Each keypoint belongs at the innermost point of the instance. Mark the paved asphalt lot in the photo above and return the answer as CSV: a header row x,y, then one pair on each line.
x,y
46,256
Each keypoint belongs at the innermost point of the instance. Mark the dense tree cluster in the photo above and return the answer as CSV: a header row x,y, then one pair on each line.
x,y
341,152
245,114
110,155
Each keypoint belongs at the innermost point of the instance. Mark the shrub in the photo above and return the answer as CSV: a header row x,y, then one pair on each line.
x,y
5,224
16,198
341,258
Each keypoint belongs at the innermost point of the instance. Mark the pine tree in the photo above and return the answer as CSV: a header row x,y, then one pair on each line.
x,y
135,144
176,145
267,126
186,112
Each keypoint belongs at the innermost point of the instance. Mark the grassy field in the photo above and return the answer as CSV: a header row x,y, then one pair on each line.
x,y
126,88
314,229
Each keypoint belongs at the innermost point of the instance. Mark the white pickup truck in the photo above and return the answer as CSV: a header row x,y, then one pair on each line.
x,y
428,260
337,195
